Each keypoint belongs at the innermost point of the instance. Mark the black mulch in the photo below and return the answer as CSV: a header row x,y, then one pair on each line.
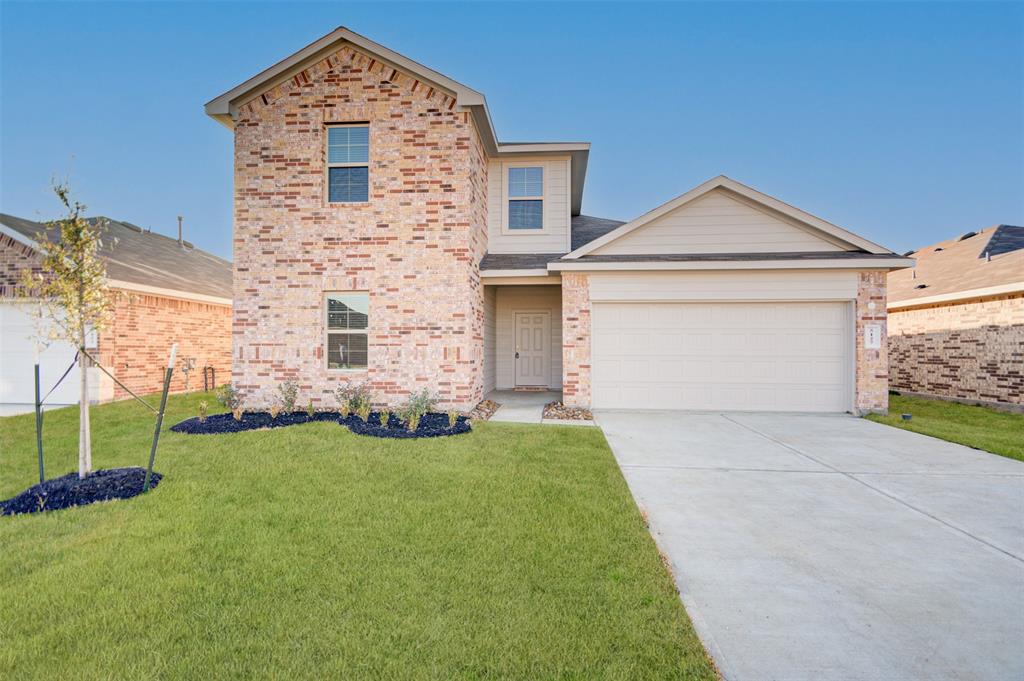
x,y
68,490
251,420
431,425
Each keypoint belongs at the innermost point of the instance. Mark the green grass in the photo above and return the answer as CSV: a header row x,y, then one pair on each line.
x,y
309,552
979,427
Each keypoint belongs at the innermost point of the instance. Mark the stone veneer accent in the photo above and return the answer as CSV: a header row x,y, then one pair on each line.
x,y
872,368
969,350
415,246
136,345
575,339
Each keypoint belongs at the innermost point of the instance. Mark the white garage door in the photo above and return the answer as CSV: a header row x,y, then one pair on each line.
x,y
17,382
783,356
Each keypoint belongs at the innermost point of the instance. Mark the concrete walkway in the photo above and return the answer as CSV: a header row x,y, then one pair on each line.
x,y
522,406
829,547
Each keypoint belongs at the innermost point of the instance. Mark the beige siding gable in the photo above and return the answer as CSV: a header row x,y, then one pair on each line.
x,y
555,237
718,223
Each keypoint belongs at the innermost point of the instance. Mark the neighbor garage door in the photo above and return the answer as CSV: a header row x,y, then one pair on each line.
x,y
17,377
778,356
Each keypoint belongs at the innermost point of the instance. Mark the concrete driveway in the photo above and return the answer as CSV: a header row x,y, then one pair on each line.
x,y
830,547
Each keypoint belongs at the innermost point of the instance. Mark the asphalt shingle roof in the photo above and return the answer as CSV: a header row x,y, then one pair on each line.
x,y
141,257
960,264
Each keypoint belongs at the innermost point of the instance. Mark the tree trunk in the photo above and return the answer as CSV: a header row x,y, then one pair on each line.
x,y
84,438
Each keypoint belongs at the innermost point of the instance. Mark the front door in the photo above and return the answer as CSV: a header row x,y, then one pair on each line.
x,y
533,348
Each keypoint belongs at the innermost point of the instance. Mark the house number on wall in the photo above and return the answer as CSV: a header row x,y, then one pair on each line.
x,y
873,337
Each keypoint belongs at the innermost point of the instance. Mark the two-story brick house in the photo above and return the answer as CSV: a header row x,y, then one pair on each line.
x,y
383,233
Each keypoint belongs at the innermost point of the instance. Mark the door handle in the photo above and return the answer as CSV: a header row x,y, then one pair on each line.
x,y
517,355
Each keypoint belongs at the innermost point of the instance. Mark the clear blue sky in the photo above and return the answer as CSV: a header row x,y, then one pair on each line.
x,y
903,122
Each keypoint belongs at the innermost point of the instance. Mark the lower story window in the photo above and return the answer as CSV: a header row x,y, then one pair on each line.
x,y
348,316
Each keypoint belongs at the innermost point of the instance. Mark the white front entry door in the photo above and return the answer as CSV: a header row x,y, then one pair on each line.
x,y
533,348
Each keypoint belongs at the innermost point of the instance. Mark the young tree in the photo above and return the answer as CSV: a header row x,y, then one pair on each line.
x,y
73,297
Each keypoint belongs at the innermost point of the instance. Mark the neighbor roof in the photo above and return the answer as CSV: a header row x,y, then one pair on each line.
x,y
990,258
224,108
137,256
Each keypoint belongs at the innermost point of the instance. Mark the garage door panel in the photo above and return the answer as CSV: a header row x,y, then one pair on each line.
x,y
721,356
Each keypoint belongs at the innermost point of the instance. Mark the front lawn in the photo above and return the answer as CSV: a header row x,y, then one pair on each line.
x,y
979,427
310,552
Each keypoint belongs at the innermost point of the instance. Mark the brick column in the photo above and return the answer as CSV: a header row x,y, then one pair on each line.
x,y
872,389
575,339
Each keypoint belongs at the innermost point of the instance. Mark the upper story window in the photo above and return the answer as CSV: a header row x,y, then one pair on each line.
x,y
526,197
348,163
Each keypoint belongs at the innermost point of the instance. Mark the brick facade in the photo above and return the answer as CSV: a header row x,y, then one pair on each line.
x,y
871,389
576,322
414,247
968,350
15,258
136,345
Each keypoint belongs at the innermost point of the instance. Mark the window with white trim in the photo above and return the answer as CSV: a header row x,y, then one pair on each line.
x,y
526,197
347,319
348,163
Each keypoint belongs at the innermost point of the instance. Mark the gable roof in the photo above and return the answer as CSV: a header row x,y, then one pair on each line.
x,y
992,259
224,107
143,258
826,230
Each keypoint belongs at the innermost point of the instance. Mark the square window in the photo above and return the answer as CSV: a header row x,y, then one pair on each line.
x,y
526,214
349,184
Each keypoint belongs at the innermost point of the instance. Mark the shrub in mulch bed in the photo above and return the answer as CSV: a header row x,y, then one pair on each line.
x,y
431,425
557,410
68,490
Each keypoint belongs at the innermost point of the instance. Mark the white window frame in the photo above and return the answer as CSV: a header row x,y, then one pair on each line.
x,y
328,331
328,165
505,199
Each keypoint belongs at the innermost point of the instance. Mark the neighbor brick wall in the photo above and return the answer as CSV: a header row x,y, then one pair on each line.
x,y
971,350
415,246
136,344
576,323
15,258
872,368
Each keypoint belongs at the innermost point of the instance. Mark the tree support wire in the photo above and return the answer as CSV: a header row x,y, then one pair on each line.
x,y
123,386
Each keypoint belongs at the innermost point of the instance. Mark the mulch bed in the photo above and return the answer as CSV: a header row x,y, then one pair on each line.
x,y
251,420
68,490
484,411
431,425
557,410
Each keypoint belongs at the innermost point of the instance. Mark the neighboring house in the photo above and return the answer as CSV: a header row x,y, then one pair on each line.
x,y
383,233
956,321
166,292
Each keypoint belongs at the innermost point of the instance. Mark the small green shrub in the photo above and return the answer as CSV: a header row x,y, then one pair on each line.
x,y
274,411
363,412
229,397
453,418
237,413
385,416
310,411
412,422
288,393
204,408
352,397
418,404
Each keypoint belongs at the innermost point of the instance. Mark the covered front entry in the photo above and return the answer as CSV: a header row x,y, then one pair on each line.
x,y
746,356
522,335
